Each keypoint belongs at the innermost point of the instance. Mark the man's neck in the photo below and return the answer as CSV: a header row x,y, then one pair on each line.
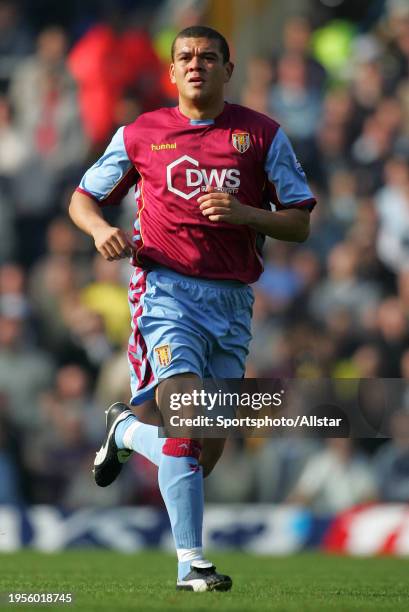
x,y
192,111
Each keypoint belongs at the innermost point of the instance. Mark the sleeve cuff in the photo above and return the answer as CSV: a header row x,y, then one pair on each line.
x,y
118,192
304,204
90,195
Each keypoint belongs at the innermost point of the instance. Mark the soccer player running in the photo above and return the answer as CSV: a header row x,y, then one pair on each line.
x,y
206,172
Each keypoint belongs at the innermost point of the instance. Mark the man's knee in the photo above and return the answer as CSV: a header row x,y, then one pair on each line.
x,y
179,383
178,424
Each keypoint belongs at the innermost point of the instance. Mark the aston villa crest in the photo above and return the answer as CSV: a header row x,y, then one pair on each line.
x,y
163,354
241,141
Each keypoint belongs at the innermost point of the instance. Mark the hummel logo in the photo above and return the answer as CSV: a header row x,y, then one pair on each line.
x,y
163,146
183,445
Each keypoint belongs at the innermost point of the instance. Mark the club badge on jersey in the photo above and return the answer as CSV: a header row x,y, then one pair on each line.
x,y
241,141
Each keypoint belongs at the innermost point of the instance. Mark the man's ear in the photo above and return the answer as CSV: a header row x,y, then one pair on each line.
x,y
228,67
172,73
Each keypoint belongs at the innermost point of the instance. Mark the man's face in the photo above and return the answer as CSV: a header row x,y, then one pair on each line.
x,y
198,69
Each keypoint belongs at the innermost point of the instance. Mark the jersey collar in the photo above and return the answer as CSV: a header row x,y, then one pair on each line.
x,y
200,122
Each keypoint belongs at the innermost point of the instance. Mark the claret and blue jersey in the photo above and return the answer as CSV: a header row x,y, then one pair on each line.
x,y
173,158
190,301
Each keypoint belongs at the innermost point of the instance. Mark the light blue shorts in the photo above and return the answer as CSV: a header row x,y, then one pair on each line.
x,y
182,324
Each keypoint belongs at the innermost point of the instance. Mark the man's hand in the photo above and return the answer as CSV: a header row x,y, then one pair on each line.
x,y
219,206
290,224
112,242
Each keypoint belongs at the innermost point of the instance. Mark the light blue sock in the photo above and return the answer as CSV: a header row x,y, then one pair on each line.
x,y
142,438
181,485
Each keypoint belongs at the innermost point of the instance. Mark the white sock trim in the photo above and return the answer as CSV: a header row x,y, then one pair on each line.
x,y
129,432
189,554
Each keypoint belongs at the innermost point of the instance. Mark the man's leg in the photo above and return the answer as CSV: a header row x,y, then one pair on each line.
x,y
164,348
212,450
143,439
180,479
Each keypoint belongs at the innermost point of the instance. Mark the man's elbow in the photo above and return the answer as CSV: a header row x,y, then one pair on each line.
x,y
302,226
77,204
72,204
303,233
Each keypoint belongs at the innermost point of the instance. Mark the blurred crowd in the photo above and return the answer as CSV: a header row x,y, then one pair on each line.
x,y
335,306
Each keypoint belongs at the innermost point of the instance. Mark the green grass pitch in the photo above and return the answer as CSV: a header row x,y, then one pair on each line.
x,y
101,580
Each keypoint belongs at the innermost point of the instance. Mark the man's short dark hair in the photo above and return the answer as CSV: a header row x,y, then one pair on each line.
x,y
204,32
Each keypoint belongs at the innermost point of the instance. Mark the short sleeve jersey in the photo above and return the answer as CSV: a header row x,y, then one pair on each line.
x,y
172,159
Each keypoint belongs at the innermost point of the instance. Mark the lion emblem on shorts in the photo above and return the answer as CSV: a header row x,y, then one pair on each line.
x,y
163,354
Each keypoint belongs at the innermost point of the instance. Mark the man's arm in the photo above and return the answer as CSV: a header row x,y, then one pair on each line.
x,y
290,194
111,242
105,183
292,224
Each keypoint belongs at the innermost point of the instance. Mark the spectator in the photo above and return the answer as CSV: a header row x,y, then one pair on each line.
x,y
391,463
221,487
281,462
259,76
343,289
391,336
334,479
45,101
297,39
11,490
295,103
15,41
13,147
13,298
392,203
64,446
24,370
113,307
110,58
